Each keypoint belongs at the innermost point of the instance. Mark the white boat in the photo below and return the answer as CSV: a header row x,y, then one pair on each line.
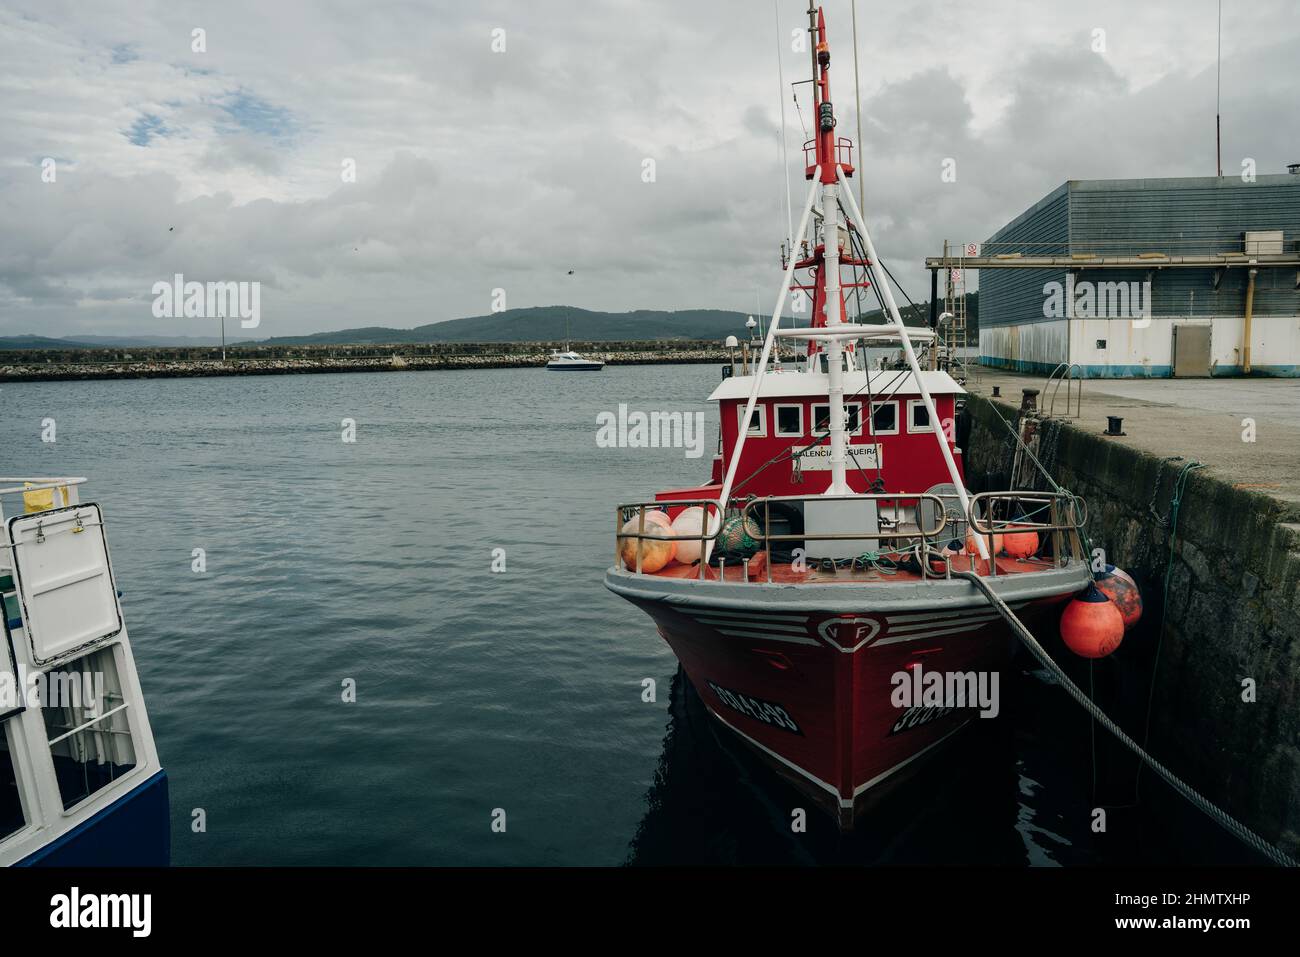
x,y
569,361
80,779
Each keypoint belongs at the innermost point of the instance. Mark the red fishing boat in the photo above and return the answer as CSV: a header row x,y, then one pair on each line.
x,y
812,588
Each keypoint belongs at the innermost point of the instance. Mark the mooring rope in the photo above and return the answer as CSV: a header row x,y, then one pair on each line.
x,y
1225,820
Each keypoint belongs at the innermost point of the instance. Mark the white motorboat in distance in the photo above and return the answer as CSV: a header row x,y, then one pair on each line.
x,y
572,362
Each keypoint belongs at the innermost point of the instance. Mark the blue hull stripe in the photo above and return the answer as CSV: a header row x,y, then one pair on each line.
x,y
133,831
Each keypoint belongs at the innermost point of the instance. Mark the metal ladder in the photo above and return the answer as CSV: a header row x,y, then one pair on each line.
x,y
955,334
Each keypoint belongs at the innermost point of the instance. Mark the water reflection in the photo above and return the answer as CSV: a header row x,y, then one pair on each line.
x,y
1018,791
714,802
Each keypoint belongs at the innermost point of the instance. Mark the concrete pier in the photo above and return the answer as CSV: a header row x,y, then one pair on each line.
x,y
1196,418
31,365
1226,696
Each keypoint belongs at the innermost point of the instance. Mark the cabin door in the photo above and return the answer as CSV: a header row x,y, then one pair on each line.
x,y
63,580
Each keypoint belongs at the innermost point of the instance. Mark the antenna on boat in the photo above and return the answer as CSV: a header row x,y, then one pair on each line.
x,y
785,159
857,93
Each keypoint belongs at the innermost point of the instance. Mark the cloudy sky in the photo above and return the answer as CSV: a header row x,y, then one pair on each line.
x,y
479,170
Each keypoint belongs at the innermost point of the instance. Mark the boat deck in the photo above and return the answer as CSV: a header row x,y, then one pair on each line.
x,y
782,574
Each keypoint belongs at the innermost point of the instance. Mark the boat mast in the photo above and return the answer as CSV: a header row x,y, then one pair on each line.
x,y
828,177
827,172
940,433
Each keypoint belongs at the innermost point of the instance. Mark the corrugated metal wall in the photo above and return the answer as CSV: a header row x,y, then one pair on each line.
x,y
1013,296
1193,216
1126,217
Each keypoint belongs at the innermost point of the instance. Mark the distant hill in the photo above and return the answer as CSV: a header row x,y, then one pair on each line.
x,y
536,324
41,342
179,342
102,342
546,324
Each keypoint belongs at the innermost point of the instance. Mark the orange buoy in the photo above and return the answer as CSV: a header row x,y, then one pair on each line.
x,y
973,549
655,553
1112,570
1020,542
1091,625
1117,585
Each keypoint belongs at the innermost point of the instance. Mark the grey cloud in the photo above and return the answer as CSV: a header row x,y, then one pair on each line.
x,y
479,170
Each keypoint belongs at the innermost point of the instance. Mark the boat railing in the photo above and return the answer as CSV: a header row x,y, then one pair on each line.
x,y
32,484
989,516
843,155
39,493
924,524
625,513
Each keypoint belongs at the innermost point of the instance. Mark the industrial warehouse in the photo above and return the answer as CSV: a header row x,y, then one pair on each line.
x,y
1144,278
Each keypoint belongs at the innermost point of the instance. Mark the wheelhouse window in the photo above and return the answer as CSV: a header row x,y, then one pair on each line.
x,y
789,420
822,418
12,818
757,422
918,417
88,726
884,418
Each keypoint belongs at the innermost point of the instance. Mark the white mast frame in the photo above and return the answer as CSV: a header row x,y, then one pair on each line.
x,y
940,434
734,464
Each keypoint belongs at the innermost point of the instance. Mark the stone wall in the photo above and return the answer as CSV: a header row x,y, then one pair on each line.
x,y
41,365
1233,612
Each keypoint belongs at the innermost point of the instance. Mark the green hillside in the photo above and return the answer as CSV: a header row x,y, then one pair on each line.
x,y
537,324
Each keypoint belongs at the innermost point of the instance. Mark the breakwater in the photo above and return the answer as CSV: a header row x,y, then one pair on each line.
x,y
39,365
1215,662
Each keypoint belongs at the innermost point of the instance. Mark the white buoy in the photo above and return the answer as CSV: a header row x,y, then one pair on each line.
x,y
686,526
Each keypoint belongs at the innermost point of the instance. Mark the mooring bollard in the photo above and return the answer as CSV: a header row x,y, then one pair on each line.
x,y
997,392
1114,425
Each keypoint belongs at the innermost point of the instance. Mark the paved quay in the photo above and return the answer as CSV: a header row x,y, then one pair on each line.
x,y
1202,419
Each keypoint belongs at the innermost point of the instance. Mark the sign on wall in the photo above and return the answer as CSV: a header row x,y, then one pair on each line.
x,y
818,459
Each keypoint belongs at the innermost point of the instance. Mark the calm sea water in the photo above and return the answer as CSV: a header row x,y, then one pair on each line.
x,y
521,690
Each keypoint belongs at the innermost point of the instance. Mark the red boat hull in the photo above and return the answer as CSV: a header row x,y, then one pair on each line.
x,y
812,694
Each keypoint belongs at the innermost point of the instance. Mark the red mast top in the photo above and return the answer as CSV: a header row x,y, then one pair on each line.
x,y
827,150
825,112
822,155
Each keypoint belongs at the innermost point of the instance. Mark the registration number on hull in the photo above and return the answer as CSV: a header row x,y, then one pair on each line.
x,y
917,716
767,712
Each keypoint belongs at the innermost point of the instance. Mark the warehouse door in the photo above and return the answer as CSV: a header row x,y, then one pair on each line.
x,y
1191,351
